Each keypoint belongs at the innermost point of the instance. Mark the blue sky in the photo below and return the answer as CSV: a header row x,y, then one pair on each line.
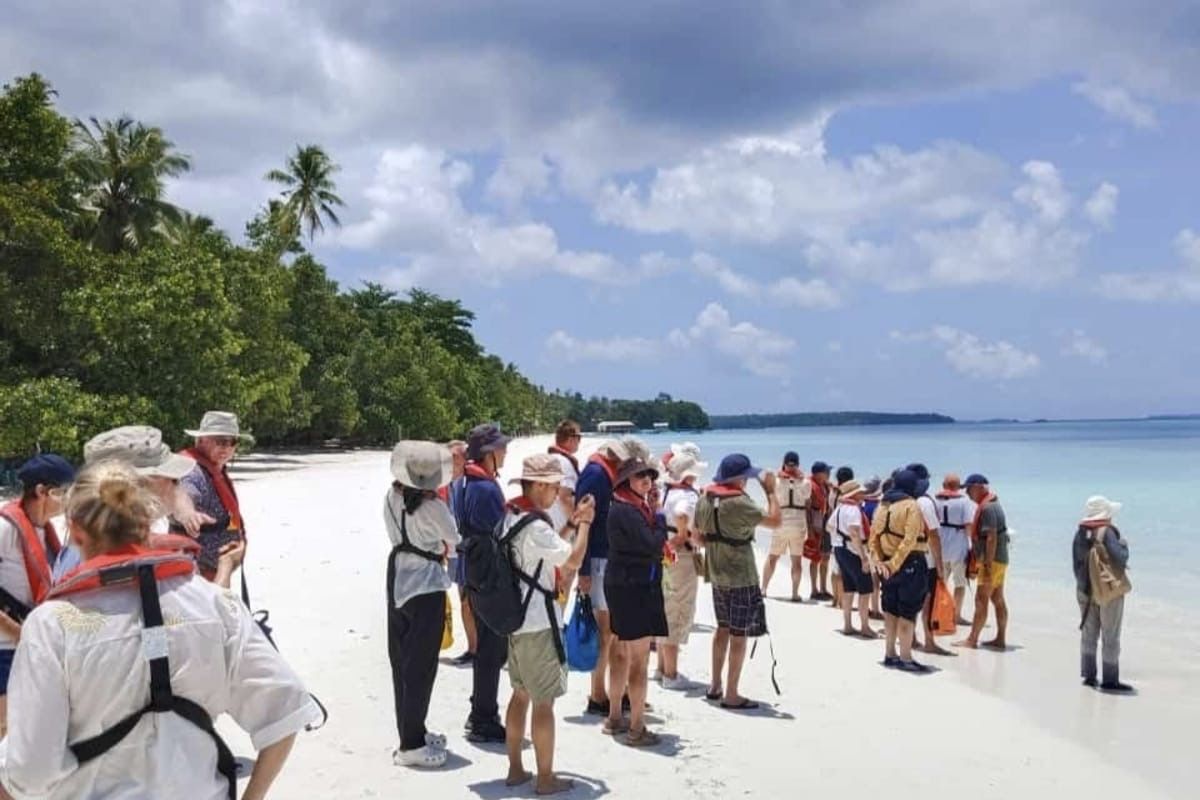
x,y
980,209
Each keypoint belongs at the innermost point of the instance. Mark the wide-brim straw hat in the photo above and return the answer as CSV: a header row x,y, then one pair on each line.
x,y
218,423
685,465
540,468
850,488
427,466
1099,508
141,447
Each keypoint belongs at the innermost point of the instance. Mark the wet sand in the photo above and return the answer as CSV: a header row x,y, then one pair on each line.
x,y
989,725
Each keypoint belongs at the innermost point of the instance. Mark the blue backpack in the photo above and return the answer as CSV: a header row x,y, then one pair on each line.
x,y
582,636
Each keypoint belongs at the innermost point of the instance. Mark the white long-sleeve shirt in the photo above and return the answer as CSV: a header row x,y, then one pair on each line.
x,y
79,670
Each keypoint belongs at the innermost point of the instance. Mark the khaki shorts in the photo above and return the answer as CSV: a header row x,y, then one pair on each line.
x,y
533,665
788,539
680,583
955,573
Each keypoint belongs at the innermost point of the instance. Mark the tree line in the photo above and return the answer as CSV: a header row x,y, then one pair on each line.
x,y
117,307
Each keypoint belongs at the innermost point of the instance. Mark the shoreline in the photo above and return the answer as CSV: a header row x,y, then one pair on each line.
x,y
996,723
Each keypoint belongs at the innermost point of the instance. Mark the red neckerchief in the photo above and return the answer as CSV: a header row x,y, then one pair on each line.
x,y
721,490
819,499
991,498
474,470
36,557
1095,523
791,473
556,450
948,494
624,494
522,504
609,468
85,577
224,487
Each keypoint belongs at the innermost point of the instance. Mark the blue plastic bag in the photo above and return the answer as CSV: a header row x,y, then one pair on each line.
x,y
581,636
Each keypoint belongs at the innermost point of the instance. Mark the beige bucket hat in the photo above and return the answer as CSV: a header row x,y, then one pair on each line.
x,y
140,446
427,466
219,423
540,468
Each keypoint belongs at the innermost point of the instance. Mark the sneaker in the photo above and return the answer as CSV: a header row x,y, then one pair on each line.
x,y
891,662
1091,682
597,707
677,684
1116,687
490,731
463,659
912,666
422,758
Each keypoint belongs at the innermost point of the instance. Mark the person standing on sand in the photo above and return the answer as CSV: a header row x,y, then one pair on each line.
x,y
874,493
681,582
990,532
850,525
455,568
842,475
818,545
955,512
536,665
28,547
210,488
420,528
598,479
933,557
567,437
727,518
1100,557
633,586
792,491
479,508
898,549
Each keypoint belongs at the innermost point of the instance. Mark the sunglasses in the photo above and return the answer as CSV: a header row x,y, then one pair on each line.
x,y
225,441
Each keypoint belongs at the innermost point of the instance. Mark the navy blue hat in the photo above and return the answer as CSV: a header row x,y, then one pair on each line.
x,y
920,469
844,474
791,459
819,466
907,482
975,479
734,467
46,468
484,439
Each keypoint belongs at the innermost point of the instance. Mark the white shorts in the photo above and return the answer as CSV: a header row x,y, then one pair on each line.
x,y
599,602
784,540
955,573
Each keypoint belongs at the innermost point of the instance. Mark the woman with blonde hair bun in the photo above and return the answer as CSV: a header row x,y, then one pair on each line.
x,y
98,651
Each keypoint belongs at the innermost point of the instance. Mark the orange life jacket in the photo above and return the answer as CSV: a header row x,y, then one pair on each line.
x,y
36,557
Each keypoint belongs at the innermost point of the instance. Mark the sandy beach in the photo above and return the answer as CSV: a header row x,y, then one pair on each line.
x,y
988,725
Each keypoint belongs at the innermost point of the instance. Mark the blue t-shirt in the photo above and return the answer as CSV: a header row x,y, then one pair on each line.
x,y
594,480
478,505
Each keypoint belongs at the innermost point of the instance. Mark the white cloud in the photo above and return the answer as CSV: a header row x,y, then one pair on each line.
x,y
517,178
713,337
1117,102
1181,285
1079,345
1101,207
732,281
814,293
1044,192
969,355
789,292
417,213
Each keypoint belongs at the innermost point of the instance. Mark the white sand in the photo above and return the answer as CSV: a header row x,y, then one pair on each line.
x,y
844,727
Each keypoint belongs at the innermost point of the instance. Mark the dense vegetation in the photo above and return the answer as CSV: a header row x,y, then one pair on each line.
x,y
682,415
811,419
117,307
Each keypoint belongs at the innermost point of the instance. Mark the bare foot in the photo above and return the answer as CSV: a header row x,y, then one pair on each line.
x,y
994,644
934,650
966,643
553,785
868,633
518,776
849,632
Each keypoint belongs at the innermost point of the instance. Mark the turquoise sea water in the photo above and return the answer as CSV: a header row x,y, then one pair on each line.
x,y
1043,473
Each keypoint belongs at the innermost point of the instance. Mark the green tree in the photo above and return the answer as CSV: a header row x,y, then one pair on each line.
x,y
34,138
58,415
309,190
122,166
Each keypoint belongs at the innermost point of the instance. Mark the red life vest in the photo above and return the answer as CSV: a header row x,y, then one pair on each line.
x,y
223,486
120,566
609,468
37,558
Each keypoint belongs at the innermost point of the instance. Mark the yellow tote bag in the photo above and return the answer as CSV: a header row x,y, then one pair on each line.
x,y
448,628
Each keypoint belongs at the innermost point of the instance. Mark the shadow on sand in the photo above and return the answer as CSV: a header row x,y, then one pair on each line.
x,y
584,787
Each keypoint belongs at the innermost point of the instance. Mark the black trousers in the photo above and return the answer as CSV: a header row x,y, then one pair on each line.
x,y
414,639
490,655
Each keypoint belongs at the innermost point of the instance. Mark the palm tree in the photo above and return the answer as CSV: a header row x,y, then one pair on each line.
x,y
190,227
309,188
122,166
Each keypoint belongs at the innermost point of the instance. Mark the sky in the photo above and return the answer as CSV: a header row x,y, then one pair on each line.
x,y
986,209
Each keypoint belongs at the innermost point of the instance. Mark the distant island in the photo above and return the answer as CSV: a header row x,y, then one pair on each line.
x,y
818,419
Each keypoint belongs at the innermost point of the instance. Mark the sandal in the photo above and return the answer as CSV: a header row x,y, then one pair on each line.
x,y
743,705
615,728
642,738
435,740
714,694
421,758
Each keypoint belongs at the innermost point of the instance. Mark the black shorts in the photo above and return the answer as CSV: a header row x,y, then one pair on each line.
x,y
855,580
741,610
903,594
826,543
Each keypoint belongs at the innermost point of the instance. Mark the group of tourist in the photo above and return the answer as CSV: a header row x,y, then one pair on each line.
x,y
126,613
153,535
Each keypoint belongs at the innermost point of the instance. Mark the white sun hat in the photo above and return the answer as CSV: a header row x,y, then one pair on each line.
x,y
1099,508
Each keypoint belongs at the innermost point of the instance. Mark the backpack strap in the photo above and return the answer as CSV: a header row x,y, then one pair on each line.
x,y
406,546
548,596
162,699
718,535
